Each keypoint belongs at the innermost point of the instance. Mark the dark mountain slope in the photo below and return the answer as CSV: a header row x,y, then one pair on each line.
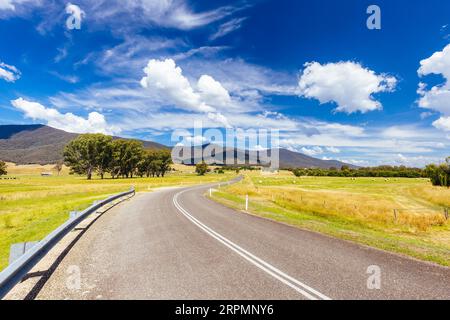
x,y
290,159
32,143
39,144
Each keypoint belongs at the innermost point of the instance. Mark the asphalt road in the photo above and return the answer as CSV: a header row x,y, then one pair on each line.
x,y
176,244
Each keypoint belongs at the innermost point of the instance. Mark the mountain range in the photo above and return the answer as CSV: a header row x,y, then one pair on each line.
x,y
40,144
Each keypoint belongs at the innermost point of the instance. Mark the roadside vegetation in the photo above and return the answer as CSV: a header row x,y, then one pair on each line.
x,y
397,214
31,206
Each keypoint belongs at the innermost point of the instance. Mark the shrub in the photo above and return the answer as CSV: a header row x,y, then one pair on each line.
x,y
201,168
439,175
3,169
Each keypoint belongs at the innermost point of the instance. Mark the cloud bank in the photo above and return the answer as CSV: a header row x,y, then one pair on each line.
x,y
94,123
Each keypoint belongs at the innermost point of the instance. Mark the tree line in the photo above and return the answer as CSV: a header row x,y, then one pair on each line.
x,y
346,171
97,153
438,174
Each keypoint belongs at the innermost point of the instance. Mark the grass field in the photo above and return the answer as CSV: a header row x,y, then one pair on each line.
x,y
400,215
31,206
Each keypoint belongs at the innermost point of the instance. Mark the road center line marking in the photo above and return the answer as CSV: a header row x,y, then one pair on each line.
x,y
300,287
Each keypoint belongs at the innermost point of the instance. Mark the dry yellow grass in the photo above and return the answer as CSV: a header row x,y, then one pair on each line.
x,y
363,200
361,210
33,169
354,206
183,168
36,169
437,195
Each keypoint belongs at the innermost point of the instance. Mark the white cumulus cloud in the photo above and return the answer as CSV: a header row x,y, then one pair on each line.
x,y
167,79
438,97
9,73
443,123
95,122
348,84
212,91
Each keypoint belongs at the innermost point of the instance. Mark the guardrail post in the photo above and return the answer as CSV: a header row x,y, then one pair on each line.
x,y
446,213
18,249
246,203
73,214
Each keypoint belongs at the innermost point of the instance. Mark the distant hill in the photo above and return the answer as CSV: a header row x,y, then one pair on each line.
x,y
39,144
288,159
32,144
291,159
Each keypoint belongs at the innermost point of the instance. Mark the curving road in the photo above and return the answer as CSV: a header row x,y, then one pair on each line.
x,y
176,244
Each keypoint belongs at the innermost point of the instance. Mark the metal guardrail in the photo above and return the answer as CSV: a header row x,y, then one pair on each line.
x,y
10,276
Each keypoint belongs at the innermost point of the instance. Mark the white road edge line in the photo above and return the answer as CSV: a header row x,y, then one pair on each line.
x,y
266,267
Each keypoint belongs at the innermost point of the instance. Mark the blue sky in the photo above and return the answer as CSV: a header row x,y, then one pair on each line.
x,y
312,69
